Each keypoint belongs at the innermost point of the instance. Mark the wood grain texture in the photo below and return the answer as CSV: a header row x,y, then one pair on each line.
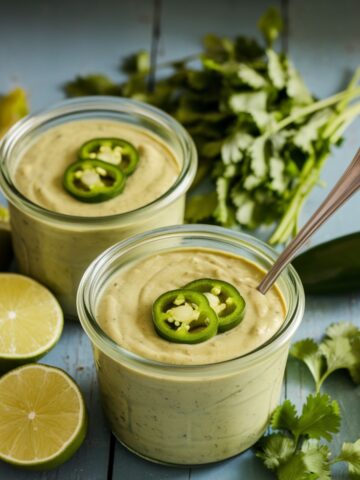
x,y
43,44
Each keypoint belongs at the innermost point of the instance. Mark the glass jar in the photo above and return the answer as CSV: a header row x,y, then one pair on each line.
x,y
190,414
56,248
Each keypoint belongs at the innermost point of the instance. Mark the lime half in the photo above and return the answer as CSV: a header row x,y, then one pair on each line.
x,y
31,320
43,417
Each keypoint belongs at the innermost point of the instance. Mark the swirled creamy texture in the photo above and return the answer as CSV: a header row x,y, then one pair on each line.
x,y
124,308
39,174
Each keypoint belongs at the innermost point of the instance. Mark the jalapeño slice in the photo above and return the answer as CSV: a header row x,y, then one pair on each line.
x,y
93,180
184,316
115,151
223,298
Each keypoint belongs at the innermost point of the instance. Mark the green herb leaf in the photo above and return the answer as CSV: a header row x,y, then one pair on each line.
x,y
276,70
284,417
275,450
136,63
308,351
250,76
271,25
320,418
350,453
91,85
342,329
248,102
339,350
200,207
316,458
234,147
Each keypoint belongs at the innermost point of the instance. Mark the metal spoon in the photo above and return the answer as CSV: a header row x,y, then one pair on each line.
x,y
348,184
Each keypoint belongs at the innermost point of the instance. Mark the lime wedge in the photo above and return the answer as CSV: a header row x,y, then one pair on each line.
x,y
43,417
31,320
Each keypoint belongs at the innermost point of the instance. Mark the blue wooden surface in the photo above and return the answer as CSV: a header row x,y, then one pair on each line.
x,y
43,44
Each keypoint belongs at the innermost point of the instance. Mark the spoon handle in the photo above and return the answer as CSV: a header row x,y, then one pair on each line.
x,y
344,188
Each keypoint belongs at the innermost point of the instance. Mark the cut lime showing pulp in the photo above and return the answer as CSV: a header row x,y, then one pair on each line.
x,y
31,320
43,417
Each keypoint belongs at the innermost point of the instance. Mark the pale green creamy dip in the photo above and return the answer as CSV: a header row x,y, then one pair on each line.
x,y
40,171
124,310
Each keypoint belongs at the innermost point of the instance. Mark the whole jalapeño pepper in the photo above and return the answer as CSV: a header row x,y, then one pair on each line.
x,y
93,180
223,298
184,316
115,151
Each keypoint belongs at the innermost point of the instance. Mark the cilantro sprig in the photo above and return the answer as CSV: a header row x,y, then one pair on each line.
x,y
340,349
259,131
295,448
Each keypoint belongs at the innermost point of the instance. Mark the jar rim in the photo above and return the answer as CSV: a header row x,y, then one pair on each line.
x,y
295,307
97,104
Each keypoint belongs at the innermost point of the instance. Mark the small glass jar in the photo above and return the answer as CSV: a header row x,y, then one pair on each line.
x,y
56,248
190,414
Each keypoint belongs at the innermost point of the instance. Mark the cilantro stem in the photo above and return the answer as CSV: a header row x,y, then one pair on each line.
x,y
305,186
314,107
310,174
349,114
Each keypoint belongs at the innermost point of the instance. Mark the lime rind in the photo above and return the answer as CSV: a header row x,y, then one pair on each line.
x,y
71,445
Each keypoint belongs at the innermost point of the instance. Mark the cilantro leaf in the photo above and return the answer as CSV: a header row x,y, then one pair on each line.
x,y
309,132
136,63
258,157
222,212
271,25
275,450
338,353
295,86
320,417
248,101
284,417
342,329
95,84
339,350
294,469
200,207
234,146
350,453
308,351
275,69
316,458
250,76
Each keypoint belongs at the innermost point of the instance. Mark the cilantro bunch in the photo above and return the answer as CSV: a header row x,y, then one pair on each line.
x,y
259,132
293,449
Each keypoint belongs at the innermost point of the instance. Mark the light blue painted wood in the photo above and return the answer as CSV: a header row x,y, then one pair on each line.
x,y
43,44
